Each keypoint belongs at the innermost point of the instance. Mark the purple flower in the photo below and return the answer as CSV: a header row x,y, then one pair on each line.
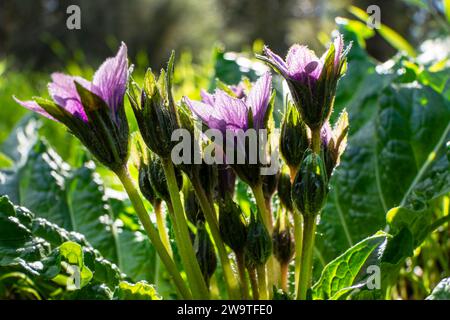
x,y
312,80
109,84
229,114
224,112
93,111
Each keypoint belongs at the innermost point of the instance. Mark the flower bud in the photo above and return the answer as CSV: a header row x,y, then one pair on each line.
x,y
232,225
259,243
310,187
283,240
204,251
145,185
226,182
294,139
192,208
284,190
269,184
334,142
155,114
158,178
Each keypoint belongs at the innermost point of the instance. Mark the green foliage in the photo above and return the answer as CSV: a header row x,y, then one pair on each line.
x,y
339,274
442,291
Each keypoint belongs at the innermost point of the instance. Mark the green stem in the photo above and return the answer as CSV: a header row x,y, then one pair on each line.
x,y
267,219
298,235
309,225
187,253
242,276
162,227
152,233
261,203
253,283
284,270
211,219
315,140
262,283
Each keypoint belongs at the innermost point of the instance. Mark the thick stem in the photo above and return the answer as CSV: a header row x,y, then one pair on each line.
x,y
242,276
187,253
267,219
152,233
253,283
309,223
162,227
261,203
211,219
298,236
284,270
316,141
262,283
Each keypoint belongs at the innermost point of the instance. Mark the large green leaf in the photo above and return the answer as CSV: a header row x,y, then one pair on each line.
x,y
340,274
442,291
75,200
50,254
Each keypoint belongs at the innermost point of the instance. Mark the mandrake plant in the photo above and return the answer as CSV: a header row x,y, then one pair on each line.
x,y
197,228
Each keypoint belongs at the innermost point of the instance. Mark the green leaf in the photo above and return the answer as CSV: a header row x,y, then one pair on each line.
x,y
75,200
47,252
441,291
136,291
396,154
341,273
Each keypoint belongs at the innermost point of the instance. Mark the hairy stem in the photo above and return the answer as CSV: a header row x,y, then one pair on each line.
x,y
242,276
187,253
162,227
284,270
262,283
152,233
267,219
309,224
211,219
298,236
253,283
315,141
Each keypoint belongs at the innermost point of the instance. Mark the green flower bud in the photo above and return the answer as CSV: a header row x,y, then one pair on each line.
x,y
284,189
259,243
145,185
158,178
204,251
156,115
334,142
270,183
310,187
191,206
232,225
294,138
283,240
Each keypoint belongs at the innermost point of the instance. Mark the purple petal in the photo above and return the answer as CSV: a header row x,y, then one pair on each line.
x,y
200,109
258,99
111,78
207,98
63,91
233,111
277,61
33,106
238,90
338,47
326,133
303,63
